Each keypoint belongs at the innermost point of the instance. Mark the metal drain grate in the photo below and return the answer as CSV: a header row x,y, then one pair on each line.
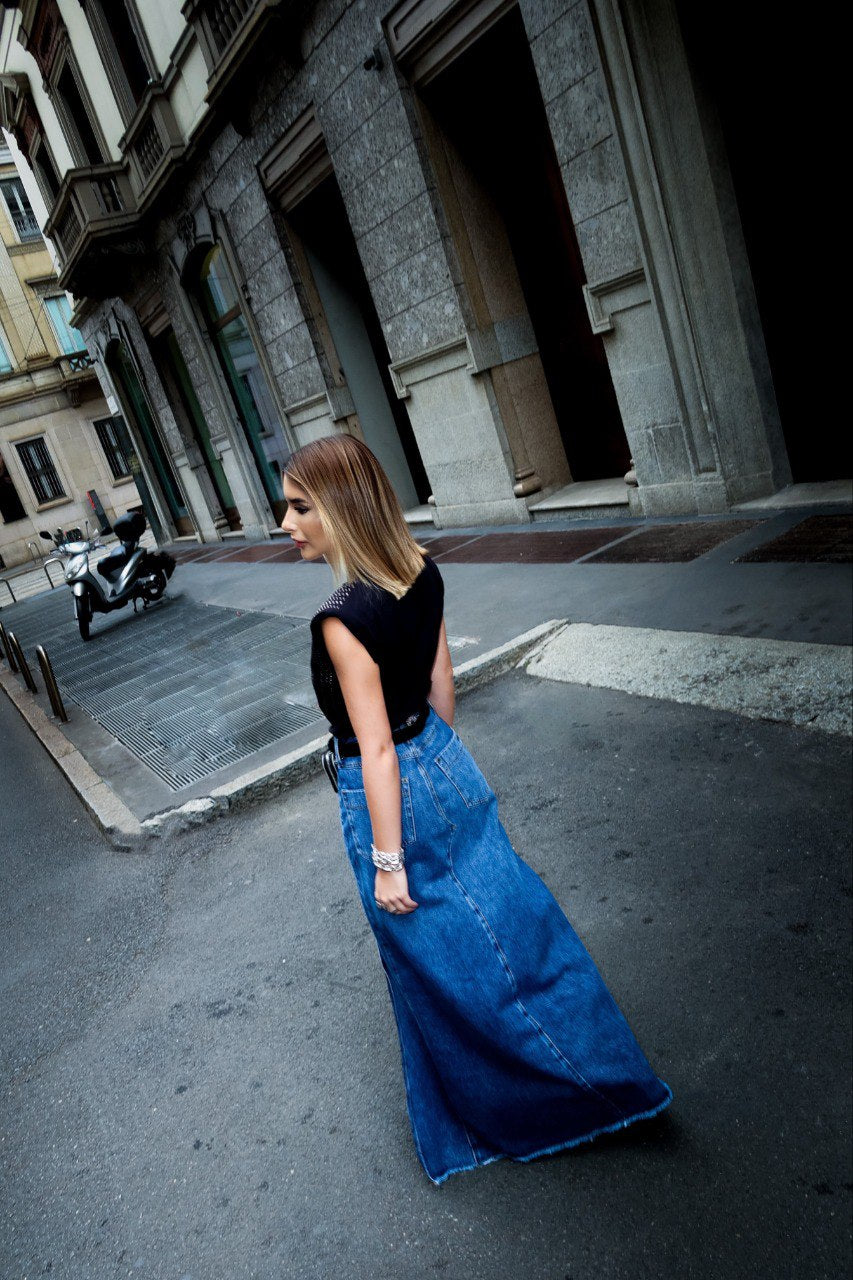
x,y
188,688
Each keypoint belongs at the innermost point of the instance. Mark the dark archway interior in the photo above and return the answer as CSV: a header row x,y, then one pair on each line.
x,y
321,222
761,76
489,104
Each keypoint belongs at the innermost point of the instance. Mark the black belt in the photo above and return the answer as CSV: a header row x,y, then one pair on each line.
x,y
408,729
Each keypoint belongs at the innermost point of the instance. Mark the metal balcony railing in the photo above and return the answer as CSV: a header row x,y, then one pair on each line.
x,y
226,30
25,224
152,141
225,18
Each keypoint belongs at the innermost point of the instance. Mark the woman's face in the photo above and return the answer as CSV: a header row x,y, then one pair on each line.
x,y
302,522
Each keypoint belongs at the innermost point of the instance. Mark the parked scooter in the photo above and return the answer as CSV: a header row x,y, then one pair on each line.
x,y
131,572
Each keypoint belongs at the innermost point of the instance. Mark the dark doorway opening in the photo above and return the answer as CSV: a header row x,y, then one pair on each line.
x,y
11,507
358,353
747,69
186,408
212,280
135,403
489,105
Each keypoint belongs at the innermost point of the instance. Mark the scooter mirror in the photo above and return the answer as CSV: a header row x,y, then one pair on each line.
x,y
46,536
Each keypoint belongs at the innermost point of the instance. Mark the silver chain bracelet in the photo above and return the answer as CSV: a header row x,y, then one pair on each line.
x,y
387,861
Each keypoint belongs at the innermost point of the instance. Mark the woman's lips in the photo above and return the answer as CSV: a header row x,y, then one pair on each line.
x,y
298,543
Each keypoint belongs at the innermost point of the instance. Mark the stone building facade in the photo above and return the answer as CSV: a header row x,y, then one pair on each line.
x,y
500,240
59,441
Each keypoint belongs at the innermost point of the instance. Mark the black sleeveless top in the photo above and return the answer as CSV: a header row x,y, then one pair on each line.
x,y
400,635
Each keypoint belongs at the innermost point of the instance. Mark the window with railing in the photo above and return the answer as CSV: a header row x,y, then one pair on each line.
x,y
78,123
59,313
111,437
39,469
20,209
125,52
45,169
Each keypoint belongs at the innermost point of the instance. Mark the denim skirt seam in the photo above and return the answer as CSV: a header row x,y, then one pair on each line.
x,y
557,1052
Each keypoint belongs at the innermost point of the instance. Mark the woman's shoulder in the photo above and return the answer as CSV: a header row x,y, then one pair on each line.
x,y
348,601
358,596
337,599
432,570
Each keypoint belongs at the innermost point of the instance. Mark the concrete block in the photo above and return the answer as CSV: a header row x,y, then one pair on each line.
x,y
418,278
282,313
301,382
408,231
538,15
388,189
365,149
580,118
290,349
259,246
608,243
249,206
437,319
565,52
595,180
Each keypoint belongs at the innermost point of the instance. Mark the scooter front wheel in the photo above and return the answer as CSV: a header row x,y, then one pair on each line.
x,y
83,613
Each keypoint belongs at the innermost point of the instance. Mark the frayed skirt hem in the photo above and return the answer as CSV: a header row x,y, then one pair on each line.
x,y
560,1146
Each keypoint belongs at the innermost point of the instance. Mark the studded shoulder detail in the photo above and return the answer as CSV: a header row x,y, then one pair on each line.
x,y
338,596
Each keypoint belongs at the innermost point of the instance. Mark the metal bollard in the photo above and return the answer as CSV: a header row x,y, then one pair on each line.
x,y
50,684
23,665
7,649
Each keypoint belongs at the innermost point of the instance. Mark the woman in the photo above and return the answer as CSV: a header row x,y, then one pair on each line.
x,y
511,1044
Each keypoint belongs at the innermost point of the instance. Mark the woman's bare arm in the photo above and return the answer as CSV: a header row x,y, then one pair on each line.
x,y
442,695
361,687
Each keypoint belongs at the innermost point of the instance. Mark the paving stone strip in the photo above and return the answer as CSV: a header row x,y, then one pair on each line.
x,y
808,685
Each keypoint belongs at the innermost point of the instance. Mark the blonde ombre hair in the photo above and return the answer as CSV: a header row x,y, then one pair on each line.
x,y
360,514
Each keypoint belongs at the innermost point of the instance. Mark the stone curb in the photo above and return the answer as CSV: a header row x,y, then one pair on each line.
x,y
109,812
125,831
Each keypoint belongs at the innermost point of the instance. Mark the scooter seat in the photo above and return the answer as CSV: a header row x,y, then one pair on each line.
x,y
111,566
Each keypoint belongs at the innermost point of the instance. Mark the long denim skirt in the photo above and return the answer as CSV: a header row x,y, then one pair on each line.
x,y
511,1044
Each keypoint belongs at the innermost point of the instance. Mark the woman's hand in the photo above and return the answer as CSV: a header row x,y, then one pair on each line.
x,y
391,891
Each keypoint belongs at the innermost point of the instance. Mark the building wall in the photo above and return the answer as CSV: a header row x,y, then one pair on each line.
x,y
80,463
666,274
41,396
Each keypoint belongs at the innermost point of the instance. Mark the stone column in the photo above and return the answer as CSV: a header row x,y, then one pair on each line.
x,y
386,183
659,281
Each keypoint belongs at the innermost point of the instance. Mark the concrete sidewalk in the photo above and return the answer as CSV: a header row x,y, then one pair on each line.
x,y
497,607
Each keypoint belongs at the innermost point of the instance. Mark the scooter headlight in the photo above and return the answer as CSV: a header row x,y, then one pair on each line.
x,y
75,565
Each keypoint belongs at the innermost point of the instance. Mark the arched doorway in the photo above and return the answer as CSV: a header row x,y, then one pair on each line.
x,y
210,279
356,348
136,408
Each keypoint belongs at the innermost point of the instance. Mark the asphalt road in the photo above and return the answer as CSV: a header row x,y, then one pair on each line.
x,y
200,1072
